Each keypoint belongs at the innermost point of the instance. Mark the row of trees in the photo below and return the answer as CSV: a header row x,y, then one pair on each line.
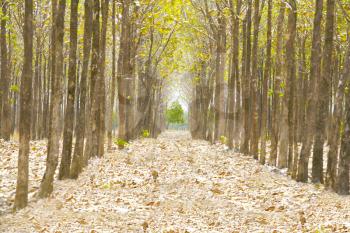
x,y
262,72
266,74
68,84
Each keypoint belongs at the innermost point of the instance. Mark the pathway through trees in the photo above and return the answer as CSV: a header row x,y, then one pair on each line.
x,y
175,184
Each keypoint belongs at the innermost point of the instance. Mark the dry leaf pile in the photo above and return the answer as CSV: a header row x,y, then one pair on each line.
x,y
173,184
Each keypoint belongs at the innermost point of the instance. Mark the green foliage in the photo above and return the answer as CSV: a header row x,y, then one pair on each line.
x,y
121,143
145,133
175,114
223,139
14,88
270,92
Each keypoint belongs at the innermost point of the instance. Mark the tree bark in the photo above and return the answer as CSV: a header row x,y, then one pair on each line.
x,y
72,75
323,95
344,158
113,84
315,72
254,150
332,162
267,74
21,198
5,78
78,156
95,82
219,78
276,88
102,91
247,25
46,186
290,80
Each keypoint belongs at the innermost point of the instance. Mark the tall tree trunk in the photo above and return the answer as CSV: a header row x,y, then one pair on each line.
x,y
323,95
315,72
46,186
102,91
5,78
344,158
276,87
95,84
247,26
267,74
21,198
233,77
254,150
290,80
78,158
113,84
301,99
332,161
72,75
123,58
219,78
35,87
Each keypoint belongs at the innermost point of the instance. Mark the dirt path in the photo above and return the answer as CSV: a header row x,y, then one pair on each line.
x,y
175,184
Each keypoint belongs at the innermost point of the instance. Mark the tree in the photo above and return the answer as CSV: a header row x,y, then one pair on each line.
x,y
175,114
344,168
113,83
254,150
275,134
5,108
290,80
21,198
246,56
78,156
302,174
102,91
323,95
46,186
267,74
64,171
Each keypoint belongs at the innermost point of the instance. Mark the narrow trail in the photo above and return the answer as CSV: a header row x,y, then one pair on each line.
x,y
175,184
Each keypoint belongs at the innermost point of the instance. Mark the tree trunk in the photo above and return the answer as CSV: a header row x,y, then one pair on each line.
x,y
290,80
78,158
332,161
231,84
113,84
344,158
267,74
276,88
323,95
310,103
219,78
95,82
5,79
247,25
72,75
46,186
254,150
122,60
21,198
102,91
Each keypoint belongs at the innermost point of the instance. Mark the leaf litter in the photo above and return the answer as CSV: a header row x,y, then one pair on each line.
x,y
171,185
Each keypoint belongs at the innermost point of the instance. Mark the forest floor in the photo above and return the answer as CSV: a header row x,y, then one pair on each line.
x,y
172,184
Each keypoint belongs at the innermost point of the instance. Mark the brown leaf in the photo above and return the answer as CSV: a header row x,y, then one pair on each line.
x,y
216,191
302,218
82,221
154,175
145,226
153,203
262,220
271,208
